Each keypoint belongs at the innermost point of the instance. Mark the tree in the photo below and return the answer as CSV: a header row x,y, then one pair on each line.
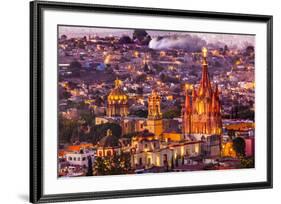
x,y
90,167
172,113
120,164
63,37
88,116
146,68
164,78
75,65
231,134
100,166
158,67
247,162
125,40
113,165
99,131
67,129
139,34
140,113
239,146
139,90
130,135
141,78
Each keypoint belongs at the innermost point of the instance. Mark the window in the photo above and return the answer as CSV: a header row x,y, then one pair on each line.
x,y
108,153
74,158
145,145
84,158
70,158
78,158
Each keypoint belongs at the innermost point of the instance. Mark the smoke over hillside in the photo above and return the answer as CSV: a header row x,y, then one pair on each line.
x,y
187,42
196,42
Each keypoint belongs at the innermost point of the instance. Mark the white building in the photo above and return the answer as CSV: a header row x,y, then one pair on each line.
x,y
80,158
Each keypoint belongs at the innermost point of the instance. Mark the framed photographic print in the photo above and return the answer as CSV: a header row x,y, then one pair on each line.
x,y
130,101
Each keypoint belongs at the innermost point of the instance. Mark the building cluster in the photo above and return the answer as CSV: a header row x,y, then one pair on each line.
x,y
196,138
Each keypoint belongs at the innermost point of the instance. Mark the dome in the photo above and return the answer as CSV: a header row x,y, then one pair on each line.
x,y
117,94
109,140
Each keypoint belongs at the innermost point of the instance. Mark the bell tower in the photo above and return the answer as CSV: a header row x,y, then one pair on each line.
x,y
154,121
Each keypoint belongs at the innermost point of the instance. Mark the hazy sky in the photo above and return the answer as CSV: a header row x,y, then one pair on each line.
x,y
229,39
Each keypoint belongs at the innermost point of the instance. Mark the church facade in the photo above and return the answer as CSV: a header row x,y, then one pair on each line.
x,y
201,113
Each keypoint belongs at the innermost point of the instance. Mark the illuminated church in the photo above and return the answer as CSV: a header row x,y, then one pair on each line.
x,y
117,101
202,109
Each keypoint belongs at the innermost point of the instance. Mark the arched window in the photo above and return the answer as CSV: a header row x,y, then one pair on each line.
x,y
108,153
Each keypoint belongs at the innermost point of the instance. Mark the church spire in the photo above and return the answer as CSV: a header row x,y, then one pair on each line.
x,y
205,84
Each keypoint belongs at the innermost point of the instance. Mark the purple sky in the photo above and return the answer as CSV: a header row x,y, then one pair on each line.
x,y
229,39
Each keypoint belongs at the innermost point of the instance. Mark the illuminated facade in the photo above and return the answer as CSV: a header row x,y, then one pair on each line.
x,y
117,101
154,120
228,150
148,152
202,109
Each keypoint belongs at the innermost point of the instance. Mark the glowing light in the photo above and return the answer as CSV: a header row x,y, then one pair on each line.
x,y
182,150
162,54
171,68
107,59
158,161
136,54
98,47
188,87
204,51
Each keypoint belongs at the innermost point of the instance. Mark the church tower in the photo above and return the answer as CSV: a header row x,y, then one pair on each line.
x,y
154,121
117,101
202,111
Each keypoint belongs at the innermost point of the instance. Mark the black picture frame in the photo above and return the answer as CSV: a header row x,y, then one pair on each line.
x,y
36,101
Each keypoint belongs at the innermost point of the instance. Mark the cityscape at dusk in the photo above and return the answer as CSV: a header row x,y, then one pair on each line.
x,y
135,101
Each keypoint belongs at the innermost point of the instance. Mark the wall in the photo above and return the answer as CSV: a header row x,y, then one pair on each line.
x,y
14,100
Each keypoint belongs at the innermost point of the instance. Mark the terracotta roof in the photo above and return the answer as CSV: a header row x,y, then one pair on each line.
x,y
78,147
